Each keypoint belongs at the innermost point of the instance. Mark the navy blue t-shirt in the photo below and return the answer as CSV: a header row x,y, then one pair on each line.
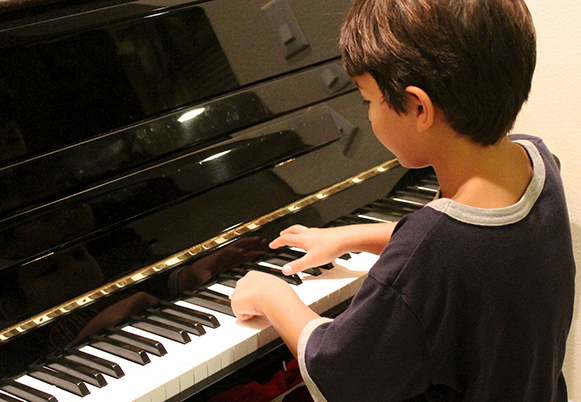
x,y
463,304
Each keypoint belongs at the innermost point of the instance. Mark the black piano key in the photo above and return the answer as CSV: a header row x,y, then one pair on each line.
x,y
362,218
427,187
179,322
282,258
60,380
316,271
380,207
393,205
415,194
228,280
119,348
287,252
207,301
161,329
346,256
25,392
409,201
204,318
378,216
292,279
149,345
238,272
103,365
213,293
7,398
82,372
279,261
393,216
412,199
336,223
349,220
430,182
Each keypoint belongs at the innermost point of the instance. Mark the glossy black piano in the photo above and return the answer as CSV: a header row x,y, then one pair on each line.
x,y
148,152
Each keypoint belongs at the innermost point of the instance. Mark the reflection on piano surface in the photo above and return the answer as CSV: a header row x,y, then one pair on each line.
x,y
150,151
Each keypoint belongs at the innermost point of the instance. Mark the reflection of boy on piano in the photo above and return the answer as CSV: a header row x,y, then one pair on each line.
x,y
472,298
188,277
56,276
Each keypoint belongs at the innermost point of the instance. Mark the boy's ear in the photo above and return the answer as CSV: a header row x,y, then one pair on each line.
x,y
421,107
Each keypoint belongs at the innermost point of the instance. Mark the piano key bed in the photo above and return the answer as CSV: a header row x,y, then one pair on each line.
x,y
179,347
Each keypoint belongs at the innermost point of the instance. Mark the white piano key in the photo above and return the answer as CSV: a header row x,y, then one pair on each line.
x,y
315,293
213,351
301,275
118,390
113,393
231,339
8,395
358,261
225,290
269,265
180,353
60,394
136,378
175,375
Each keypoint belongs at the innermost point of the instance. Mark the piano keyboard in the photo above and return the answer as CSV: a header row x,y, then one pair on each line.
x,y
156,355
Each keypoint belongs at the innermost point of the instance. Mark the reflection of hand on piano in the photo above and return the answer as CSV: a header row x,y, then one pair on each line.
x,y
116,313
202,270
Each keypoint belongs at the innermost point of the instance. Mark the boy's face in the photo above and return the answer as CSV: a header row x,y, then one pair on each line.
x,y
397,132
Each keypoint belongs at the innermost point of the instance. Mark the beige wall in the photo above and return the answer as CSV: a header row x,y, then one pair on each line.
x,y
554,114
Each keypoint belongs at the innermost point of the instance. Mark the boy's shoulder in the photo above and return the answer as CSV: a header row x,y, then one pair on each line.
x,y
410,235
526,137
536,141
540,145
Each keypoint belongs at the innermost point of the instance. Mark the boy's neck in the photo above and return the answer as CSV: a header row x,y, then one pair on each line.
x,y
483,176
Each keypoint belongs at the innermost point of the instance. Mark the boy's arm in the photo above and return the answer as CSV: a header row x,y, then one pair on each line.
x,y
324,245
261,294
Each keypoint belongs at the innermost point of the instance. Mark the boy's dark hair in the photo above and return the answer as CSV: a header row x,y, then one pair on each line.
x,y
474,58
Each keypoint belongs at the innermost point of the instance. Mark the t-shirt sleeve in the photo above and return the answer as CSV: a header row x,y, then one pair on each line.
x,y
345,359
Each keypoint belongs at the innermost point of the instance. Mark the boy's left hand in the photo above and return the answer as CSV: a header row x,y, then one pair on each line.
x,y
261,294
254,290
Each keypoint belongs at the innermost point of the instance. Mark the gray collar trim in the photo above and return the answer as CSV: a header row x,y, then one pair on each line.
x,y
500,216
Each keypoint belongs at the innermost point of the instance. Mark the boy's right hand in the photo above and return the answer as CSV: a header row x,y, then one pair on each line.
x,y
321,245
324,245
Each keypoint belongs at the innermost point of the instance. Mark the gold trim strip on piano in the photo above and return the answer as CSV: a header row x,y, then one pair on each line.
x,y
187,254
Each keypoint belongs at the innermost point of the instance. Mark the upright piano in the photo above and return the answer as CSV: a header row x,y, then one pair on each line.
x,y
149,151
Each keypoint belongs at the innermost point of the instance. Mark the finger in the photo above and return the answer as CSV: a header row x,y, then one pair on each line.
x,y
294,229
288,237
283,240
291,240
234,305
242,316
296,266
241,312
290,231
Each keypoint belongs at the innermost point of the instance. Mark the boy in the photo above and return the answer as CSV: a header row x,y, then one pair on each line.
x,y
472,296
